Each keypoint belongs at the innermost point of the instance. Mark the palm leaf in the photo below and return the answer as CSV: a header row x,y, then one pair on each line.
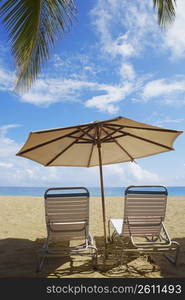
x,y
33,27
165,11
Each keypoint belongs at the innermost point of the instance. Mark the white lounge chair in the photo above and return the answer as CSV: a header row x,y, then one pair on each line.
x,y
67,218
142,228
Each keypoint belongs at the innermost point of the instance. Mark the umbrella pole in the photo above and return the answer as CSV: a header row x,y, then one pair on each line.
x,y
102,194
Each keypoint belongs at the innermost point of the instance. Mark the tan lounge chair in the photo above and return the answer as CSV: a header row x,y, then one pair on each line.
x,y
142,228
67,219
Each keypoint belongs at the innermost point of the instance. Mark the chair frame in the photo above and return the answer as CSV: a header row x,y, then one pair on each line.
x,y
63,251
159,244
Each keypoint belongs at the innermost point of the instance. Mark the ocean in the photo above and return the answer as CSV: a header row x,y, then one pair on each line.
x,y
94,191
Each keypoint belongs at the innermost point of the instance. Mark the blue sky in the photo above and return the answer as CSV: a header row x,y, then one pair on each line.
x,y
115,61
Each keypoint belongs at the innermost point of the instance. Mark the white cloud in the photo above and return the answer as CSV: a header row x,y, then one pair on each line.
x,y
113,95
160,87
124,30
7,79
142,175
167,91
162,119
129,174
127,71
122,46
60,90
47,91
5,128
168,120
7,145
6,165
135,22
76,66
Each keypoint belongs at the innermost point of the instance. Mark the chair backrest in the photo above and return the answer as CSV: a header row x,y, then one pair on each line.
x,y
144,209
67,205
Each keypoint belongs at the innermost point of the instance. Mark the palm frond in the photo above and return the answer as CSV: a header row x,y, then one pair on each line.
x,y
33,27
165,11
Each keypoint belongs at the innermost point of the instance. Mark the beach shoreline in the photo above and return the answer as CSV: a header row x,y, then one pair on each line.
x,y
23,229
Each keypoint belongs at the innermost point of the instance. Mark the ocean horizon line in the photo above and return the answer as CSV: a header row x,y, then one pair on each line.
x,y
92,186
94,190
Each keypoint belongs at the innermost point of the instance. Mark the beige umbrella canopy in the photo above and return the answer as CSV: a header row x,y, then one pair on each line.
x,y
96,144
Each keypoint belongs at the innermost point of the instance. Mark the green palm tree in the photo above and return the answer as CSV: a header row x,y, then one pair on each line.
x,y
165,11
35,25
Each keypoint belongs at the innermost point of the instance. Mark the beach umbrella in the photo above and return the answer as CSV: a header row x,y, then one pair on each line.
x,y
97,143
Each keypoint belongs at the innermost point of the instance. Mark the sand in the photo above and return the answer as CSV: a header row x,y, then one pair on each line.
x,y
23,229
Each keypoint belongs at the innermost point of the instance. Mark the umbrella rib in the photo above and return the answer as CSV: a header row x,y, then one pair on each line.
x,y
92,147
48,142
104,140
109,134
144,128
146,140
90,156
131,158
65,149
118,144
89,135
85,142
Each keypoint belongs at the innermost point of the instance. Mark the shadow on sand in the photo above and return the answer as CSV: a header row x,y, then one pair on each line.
x,y
153,266
167,269
19,259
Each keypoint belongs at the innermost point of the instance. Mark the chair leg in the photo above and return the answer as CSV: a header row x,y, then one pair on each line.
x,y
175,259
41,258
121,258
177,255
90,239
94,260
94,256
40,263
109,238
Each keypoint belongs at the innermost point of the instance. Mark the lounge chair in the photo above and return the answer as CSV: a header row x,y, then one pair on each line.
x,y
67,219
142,229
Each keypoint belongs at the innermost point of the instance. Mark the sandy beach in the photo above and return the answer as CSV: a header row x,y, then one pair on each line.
x,y
23,230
